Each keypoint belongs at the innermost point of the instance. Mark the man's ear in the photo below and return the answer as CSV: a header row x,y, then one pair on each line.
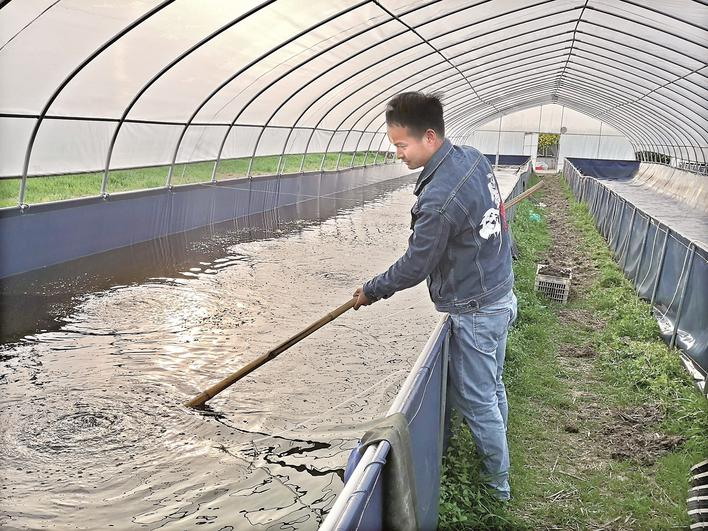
x,y
431,136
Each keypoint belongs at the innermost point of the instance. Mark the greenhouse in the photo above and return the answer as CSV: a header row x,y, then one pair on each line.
x,y
186,185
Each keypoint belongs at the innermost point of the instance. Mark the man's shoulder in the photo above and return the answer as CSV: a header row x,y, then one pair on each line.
x,y
467,158
462,163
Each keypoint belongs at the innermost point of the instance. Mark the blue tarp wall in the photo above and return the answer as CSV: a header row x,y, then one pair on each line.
x,y
507,160
424,408
605,169
51,233
668,269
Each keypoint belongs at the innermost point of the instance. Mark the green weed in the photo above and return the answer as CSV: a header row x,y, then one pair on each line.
x,y
559,479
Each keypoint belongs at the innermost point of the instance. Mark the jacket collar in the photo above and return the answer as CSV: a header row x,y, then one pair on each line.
x,y
429,169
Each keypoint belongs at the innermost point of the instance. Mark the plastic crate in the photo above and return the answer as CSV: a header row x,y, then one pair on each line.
x,y
554,287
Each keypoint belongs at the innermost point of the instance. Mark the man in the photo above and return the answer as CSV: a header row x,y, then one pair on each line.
x,y
461,245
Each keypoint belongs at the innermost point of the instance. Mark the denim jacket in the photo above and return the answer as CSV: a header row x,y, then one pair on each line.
x,y
460,242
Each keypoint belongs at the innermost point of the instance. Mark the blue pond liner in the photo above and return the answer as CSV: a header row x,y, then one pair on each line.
x,y
656,246
422,401
51,233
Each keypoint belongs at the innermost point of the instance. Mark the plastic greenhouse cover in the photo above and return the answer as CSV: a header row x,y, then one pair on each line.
x,y
89,83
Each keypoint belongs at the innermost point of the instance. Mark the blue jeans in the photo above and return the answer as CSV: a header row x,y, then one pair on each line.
x,y
475,387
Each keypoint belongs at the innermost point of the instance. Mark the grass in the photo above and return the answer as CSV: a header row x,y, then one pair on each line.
x,y
559,480
58,187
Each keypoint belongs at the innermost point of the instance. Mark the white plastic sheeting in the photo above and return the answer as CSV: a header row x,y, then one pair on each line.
x,y
89,84
581,135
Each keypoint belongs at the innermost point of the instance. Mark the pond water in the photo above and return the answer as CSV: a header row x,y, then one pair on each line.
x,y
99,356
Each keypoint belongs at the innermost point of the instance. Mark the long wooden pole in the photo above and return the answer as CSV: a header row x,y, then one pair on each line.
x,y
525,194
215,389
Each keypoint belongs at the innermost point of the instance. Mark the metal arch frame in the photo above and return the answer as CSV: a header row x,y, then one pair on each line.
x,y
596,111
627,129
649,82
614,88
683,21
690,129
98,51
510,103
377,115
390,86
242,70
647,95
380,102
698,103
594,81
660,125
668,97
383,134
380,92
629,134
570,53
533,49
272,83
640,38
493,70
465,126
653,28
656,89
459,109
338,64
127,120
625,125
315,128
669,125
552,14
378,62
452,122
534,103
580,76
447,103
682,78
436,50
520,80
624,45
662,133
670,75
163,71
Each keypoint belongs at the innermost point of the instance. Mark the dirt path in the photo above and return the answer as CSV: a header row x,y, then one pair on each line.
x,y
591,435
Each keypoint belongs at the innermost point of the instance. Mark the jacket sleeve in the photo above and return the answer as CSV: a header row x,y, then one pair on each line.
x,y
425,248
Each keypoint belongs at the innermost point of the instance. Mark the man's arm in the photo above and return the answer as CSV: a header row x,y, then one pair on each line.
x,y
425,248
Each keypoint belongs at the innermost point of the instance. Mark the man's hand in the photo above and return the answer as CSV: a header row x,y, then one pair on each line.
x,y
361,298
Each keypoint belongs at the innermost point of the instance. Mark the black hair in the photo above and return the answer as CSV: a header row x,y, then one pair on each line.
x,y
416,111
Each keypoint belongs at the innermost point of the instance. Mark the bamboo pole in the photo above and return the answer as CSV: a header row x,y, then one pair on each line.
x,y
215,389
525,194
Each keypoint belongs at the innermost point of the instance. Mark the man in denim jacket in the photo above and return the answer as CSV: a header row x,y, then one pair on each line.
x,y
462,246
